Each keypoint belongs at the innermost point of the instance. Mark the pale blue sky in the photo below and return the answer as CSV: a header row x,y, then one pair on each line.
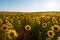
x,y
29,5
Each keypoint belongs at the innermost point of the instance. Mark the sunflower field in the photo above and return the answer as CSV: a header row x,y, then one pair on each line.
x,y
30,26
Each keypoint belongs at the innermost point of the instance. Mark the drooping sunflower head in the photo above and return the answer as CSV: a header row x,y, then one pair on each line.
x,y
10,25
43,16
54,20
11,20
11,33
55,28
27,27
7,21
17,17
44,25
37,18
50,33
7,18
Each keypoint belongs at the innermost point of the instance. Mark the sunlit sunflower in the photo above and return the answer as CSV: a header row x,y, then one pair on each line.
x,y
44,25
32,20
7,21
11,33
19,22
54,20
38,22
43,16
27,27
17,17
37,18
48,23
1,21
10,25
4,27
55,28
7,18
47,16
50,33
11,20
58,38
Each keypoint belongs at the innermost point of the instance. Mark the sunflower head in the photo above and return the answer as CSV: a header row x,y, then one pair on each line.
x,y
38,22
50,33
11,20
27,27
54,20
4,27
43,16
7,21
17,17
11,33
19,22
44,25
55,28
10,25
37,18
7,18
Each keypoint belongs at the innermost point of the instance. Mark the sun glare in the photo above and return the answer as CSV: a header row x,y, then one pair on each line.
x,y
51,4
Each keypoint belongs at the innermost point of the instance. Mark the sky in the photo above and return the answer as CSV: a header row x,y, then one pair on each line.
x,y
29,5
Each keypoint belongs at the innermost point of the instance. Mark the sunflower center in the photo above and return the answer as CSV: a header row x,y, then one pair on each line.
x,y
55,28
44,24
11,34
50,33
38,22
4,27
27,27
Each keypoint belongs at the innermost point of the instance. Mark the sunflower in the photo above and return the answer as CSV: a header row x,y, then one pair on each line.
x,y
47,16
50,33
4,27
7,21
32,19
19,22
27,27
10,25
48,23
1,21
11,33
7,18
55,28
11,20
44,25
43,16
17,17
54,20
37,18
38,22
58,38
